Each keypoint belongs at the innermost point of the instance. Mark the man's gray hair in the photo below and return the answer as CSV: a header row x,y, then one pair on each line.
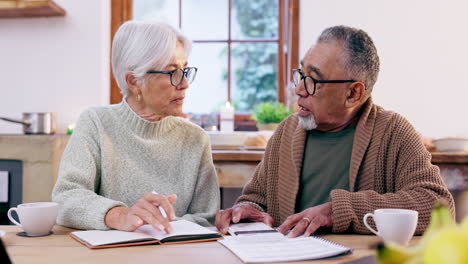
x,y
140,46
361,59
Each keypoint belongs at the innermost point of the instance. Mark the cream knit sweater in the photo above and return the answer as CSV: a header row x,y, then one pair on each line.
x,y
114,157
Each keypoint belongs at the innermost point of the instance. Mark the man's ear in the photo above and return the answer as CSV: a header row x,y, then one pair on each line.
x,y
132,83
356,92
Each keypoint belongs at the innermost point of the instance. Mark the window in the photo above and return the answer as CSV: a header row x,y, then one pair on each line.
x,y
244,49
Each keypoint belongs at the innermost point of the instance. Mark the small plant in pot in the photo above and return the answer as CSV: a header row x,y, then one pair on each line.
x,y
269,114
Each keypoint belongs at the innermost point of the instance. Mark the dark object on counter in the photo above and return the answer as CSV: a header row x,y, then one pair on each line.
x,y
36,123
4,254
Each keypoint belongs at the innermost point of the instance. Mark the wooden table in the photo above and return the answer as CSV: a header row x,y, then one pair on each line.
x,y
61,248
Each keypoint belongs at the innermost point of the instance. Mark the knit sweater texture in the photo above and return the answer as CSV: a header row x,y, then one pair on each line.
x,y
114,157
390,168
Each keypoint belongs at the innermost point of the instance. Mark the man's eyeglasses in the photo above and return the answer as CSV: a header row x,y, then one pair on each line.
x,y
310,83
177,75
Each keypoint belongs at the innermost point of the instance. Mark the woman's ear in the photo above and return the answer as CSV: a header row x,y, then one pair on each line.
x,y
132,83
356,92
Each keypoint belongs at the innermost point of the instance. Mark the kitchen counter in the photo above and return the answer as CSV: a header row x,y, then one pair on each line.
x,y
453,166
257,155
41,156
236,167
443,157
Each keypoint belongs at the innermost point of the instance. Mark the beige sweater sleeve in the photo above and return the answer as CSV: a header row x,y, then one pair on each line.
x,y
417,183
206,197
79,178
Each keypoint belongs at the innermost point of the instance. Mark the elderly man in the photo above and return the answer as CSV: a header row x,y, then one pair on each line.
x,y
341,156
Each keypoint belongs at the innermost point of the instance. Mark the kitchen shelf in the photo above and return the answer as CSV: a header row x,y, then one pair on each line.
x,y
33,9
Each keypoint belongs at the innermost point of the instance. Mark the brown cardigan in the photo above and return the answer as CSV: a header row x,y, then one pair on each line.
x,y
390,168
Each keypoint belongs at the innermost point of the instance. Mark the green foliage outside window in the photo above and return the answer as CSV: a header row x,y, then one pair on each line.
x,y
256,63
270,112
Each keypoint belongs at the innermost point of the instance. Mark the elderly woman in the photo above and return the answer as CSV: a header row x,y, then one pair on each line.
x,y
124,162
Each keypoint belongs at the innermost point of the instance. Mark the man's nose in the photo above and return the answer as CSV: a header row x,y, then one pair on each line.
x,y
300,90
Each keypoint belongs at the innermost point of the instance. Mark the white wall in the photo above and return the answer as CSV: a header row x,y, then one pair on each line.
x,y
56,64
423,47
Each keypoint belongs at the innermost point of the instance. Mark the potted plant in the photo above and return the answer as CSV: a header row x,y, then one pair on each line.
x,y
269,114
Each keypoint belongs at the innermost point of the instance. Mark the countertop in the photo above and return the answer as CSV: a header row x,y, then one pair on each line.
x,y
257,155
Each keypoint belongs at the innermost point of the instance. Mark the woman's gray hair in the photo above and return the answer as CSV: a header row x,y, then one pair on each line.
x,y
361,60
140,46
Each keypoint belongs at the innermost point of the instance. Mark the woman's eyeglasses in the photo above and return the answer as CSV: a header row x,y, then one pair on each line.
x,y
177,75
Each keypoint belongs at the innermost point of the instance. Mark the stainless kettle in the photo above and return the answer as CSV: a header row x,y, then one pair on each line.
x,y
36,123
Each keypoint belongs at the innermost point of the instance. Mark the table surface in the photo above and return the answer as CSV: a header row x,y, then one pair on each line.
x,y
61,248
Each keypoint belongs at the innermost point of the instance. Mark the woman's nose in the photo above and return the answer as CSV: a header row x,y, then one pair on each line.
x,y
184,84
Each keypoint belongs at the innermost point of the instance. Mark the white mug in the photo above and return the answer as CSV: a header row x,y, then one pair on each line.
x,y
395,225
36,219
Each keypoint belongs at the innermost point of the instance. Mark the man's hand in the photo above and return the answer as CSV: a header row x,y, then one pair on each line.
x,y
307,221
144,211
238,212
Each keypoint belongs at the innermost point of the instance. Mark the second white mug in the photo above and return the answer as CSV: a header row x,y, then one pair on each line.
x,y
395,225
36,219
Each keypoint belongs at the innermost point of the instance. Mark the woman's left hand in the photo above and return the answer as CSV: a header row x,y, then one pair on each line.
x,y
308,221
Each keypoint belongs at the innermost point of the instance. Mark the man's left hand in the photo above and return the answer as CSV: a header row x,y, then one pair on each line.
x,y
308,221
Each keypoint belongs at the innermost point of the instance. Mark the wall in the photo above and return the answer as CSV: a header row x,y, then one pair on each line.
x,y
56,64
423,50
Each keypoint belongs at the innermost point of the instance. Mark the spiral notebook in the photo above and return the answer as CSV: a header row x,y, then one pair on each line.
x,y
252,247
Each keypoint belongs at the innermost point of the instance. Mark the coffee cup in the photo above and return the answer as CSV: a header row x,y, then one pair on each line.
x,y
393,225
36,219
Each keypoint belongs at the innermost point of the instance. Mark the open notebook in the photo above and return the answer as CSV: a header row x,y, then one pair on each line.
x,y
257,242
184,232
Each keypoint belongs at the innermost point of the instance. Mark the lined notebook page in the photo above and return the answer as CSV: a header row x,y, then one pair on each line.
x,y
287,249
143,233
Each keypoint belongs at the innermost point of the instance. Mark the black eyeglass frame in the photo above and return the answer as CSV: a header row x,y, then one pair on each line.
x,y
185,72
315,81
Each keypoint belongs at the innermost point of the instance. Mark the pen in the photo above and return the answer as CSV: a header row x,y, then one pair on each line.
x,y
163,212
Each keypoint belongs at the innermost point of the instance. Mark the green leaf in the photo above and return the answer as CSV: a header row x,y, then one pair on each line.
x,y
270,112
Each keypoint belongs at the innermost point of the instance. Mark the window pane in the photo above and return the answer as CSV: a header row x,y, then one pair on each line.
x,y
254,74
254,19
209,90
205,19
166,11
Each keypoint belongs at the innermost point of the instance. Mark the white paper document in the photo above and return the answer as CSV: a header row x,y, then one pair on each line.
x,y
181,228
254,232
253,246
249,228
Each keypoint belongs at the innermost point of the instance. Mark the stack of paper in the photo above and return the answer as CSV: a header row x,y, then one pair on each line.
x,y
263,246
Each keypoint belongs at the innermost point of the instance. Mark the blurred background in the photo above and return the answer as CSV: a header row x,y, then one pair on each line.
x,y
244,50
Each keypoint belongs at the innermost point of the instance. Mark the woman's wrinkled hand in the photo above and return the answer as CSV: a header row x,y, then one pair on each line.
x,y
144,211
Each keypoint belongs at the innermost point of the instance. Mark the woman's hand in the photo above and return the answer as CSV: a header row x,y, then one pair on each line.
x,y
144,211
